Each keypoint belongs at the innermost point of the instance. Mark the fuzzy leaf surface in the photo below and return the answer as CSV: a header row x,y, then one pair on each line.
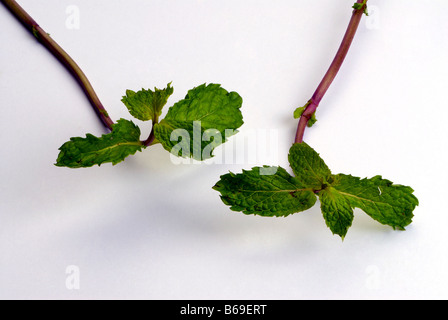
x,y
387,203
275,195
124,140
308,166
147,104
204,119
337,211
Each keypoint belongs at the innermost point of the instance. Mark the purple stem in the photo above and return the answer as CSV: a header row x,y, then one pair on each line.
x,y
332,71
151,136
32,26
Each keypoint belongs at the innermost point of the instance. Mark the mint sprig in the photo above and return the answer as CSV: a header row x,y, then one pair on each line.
x,y
282,194
203,119
195,126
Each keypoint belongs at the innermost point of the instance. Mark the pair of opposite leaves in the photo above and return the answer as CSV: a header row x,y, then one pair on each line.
x,y
265,191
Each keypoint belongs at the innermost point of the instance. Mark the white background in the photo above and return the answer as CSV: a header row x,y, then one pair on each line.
x,y
150,229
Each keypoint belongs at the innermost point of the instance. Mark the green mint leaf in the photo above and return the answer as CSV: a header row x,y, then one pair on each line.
x,y
147,104
208,113
308,166
113,147
337,211
253,192
384,201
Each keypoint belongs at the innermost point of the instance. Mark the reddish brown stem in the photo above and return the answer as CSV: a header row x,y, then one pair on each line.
x,y
43,37
332,71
